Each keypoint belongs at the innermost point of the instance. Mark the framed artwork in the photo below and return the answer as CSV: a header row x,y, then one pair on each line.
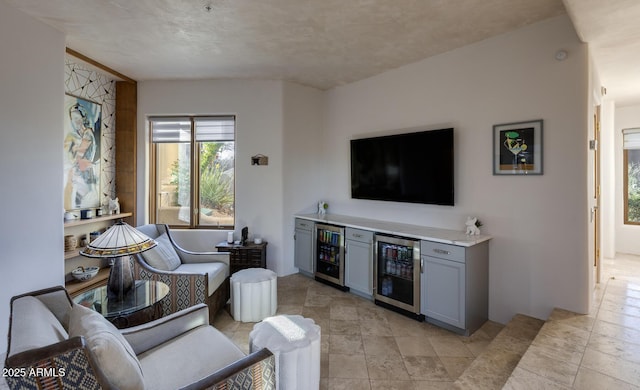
x,y
517,148
82,127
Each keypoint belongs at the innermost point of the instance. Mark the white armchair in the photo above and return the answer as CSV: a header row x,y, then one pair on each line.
x,y
55,344
192,277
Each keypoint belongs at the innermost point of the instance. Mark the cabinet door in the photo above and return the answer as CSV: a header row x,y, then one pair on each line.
x,y
303,251
359,266
443,291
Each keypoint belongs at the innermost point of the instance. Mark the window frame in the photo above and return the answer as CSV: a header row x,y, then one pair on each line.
x,y
628,144
194,171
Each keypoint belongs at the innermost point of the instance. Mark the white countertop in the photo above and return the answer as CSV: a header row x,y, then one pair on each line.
x,y
453,237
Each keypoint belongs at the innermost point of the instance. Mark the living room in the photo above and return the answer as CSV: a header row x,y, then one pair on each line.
x,y
539,254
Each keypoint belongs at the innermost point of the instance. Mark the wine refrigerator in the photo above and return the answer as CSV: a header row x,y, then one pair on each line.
x,y
329,255
397,274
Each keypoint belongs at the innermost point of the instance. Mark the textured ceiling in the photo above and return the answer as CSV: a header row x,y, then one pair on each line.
x,y
321,43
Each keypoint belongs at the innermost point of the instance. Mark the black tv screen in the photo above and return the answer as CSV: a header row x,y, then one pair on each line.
x,y
411,167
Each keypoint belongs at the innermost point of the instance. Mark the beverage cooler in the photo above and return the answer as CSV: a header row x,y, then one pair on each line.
x,y
397,274
329,255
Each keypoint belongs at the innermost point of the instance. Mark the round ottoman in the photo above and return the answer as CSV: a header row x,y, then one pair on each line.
x,y
295,344
254,294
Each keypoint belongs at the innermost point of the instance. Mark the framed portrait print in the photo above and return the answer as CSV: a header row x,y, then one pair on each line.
x,y
517,148
82,127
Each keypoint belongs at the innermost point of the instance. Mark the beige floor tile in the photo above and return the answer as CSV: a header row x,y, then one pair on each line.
x,y
616,331
612,366
478,347
621,349
553,369
415,346
348,384
345,344
375,328
380,345
426,368
455,366
450,346
560,349
434,385
377,384
318,313
344,327
389,367
289,309
347,366
589,379
345,313
526,380
619,318
565,332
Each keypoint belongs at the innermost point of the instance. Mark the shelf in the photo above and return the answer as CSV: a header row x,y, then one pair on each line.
x,y
75,287
73,253
111,217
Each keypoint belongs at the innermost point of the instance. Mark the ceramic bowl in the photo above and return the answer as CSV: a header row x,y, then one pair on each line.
x,y
85,273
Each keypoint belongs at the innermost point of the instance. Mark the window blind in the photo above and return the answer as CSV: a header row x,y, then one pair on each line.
x,y
170,130
631,138
215,128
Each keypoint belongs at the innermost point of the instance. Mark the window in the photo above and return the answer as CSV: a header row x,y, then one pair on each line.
x,y
631,175
192,171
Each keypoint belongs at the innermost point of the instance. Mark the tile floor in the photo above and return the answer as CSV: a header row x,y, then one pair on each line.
x,y
368,347
600,350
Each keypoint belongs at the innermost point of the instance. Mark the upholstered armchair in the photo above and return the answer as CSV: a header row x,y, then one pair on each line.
x,y
55,344
192,277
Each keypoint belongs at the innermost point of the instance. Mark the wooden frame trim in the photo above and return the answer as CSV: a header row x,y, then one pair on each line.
x,y
99,65
625,188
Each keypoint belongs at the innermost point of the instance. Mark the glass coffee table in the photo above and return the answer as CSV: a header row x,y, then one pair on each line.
x,y
142,304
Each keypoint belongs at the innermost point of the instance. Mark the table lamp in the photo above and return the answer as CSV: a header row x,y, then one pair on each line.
x,y
120,241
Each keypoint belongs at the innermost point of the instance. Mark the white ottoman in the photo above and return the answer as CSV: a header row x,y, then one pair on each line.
x,y
254,294
295,343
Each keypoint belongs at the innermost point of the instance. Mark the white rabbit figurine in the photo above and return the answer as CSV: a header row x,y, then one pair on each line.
x,y
472,228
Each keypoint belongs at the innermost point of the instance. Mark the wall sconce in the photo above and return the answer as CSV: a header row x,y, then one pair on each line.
x,y
259,159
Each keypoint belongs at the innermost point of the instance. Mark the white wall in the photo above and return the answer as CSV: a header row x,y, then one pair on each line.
x,y
31,152
259,129
302,162
608,180
538,257
626,235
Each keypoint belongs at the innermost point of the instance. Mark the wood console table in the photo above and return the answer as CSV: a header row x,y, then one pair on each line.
x,y
245,256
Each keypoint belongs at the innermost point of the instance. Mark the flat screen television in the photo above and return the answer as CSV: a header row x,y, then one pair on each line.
x,y
411,167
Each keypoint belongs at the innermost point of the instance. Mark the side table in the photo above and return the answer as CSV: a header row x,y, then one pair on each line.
x,y
139,306
245,256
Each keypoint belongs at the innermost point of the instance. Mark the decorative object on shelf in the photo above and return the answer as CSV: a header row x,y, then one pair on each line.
x,y
230,237
70,216
70,242
119,242
93,236
86,214
517,148
473,226
114,206
85,273
84,241
99,212
245,235
257,240
322,207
